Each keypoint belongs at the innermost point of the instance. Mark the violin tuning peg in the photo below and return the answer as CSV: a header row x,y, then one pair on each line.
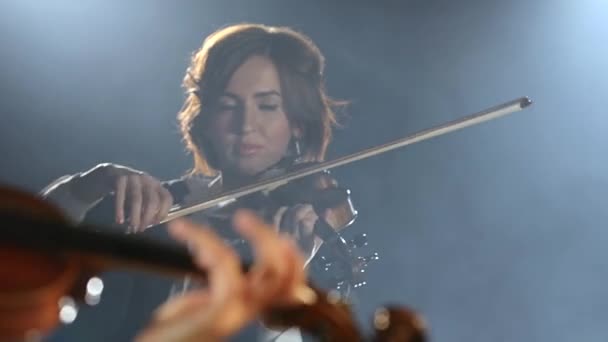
x,y
359,284
360,240
365,260
368,258
359,277
372,257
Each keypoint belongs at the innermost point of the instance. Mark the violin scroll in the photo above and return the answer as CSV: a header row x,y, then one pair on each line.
x,y
397,324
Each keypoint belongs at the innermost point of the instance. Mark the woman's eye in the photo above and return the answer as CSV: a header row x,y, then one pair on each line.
x,y
226,107
269,107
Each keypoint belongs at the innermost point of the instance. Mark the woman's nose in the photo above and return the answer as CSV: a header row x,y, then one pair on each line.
x,y
248,119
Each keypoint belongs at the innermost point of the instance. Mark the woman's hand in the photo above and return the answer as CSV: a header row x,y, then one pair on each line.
x,y
140,198
298,222
232,298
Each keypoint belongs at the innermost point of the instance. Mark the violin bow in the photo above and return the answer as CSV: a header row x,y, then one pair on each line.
x,y
272,183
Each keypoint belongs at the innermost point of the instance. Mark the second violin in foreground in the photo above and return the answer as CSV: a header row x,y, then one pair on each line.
x,y
48,264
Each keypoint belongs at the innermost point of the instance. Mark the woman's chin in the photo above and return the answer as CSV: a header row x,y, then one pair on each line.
x,y
250,169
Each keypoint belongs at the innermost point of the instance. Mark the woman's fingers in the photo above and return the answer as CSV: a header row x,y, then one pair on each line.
x,y
278,264
278,217
213,255
144,196
150,203
228,307
294,278
166,202
307,218
180,306
232,298
121,194
135,200
299,221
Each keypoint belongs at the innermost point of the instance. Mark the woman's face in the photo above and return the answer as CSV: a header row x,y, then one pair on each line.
x,y
249,131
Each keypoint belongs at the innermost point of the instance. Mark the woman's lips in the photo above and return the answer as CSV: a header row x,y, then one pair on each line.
x,y
247,150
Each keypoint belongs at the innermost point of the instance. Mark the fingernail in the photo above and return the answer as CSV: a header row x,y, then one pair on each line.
x,y
165,312
177,229
176,225
304,294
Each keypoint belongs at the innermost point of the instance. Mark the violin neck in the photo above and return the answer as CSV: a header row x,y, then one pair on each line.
x,y
103,249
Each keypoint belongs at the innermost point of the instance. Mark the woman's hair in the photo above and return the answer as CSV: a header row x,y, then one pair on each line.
x,y
300,66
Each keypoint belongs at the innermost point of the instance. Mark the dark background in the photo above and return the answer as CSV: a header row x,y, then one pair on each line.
x,y
493,233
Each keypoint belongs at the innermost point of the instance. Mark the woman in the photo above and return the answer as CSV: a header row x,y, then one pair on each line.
x,y
255,103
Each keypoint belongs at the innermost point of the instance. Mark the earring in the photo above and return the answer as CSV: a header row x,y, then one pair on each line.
x,y
297,148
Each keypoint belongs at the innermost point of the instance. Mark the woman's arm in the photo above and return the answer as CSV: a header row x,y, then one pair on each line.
x,y
140,199
61,193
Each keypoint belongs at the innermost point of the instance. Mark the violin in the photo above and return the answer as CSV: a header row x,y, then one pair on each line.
x,y
312,183
47,265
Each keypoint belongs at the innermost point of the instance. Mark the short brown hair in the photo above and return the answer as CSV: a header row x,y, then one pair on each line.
x,y
300,65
